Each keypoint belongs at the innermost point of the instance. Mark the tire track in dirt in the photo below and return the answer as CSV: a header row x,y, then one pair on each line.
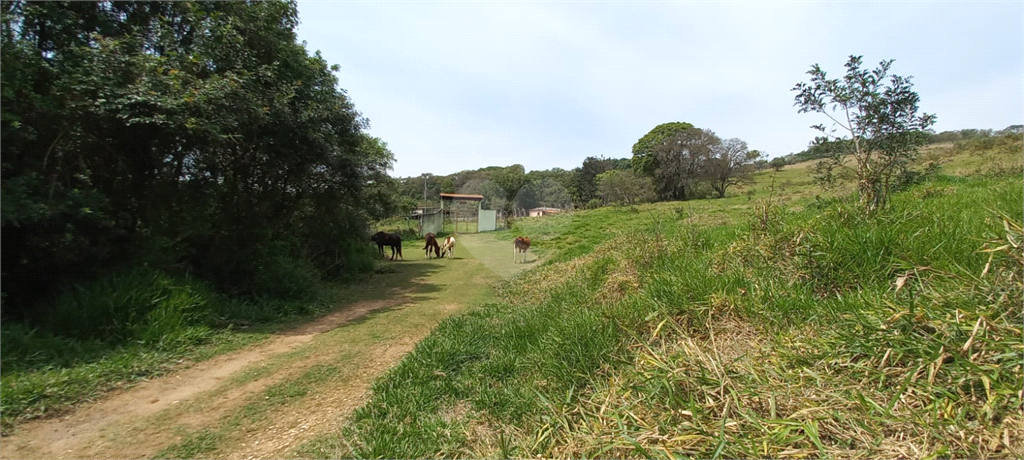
x,y
327,410
90,431
141,421
323,412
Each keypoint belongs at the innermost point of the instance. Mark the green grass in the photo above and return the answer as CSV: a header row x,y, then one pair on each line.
x,y
193,445
87,369
784,323
776,322
313,373
46,374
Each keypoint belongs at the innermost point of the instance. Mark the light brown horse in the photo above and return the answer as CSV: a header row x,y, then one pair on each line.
x,y
520,246
431,244
448,247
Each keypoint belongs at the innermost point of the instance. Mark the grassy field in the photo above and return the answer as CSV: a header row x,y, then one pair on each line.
x,y
778,322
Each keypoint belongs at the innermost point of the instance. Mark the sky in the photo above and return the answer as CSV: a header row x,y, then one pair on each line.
x,y
453,86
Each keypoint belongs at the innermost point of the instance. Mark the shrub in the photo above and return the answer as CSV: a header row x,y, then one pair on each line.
x,y
24,347
280,275
140,304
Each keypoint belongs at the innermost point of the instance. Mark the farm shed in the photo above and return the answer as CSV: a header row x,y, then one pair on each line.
x,y
465,210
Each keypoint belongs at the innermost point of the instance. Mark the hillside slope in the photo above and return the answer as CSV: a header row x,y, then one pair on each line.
x,y
783,323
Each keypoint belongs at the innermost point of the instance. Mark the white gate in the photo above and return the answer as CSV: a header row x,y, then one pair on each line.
x,y
485,220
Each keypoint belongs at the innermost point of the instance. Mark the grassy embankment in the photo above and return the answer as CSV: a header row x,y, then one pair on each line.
x,y
771,325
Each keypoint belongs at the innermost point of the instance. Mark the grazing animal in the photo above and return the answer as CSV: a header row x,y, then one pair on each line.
x,y
448,247
520,246
431,244
391,240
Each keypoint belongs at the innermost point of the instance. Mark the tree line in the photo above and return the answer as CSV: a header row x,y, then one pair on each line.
x,y
674,161
195,138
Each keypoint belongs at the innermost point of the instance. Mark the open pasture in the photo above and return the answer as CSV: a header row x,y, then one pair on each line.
x,y
783,324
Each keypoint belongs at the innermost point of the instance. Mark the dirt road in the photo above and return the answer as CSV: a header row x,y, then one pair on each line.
x,y
267,399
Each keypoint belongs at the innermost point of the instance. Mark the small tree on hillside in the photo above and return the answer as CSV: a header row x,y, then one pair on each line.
x,y
878,115
680,161
624,187
731,163
778,163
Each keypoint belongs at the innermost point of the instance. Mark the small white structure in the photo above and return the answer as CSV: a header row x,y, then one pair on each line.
x,y
540,212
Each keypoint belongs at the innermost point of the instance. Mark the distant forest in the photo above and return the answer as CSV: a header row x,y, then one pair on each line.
x,y
591,184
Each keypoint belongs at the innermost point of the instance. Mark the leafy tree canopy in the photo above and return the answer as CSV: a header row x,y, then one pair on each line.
x,y
198,131
644,161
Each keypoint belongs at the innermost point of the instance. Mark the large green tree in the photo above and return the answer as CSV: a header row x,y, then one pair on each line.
x,y
875,120
644,159
200,130
380,195
681,162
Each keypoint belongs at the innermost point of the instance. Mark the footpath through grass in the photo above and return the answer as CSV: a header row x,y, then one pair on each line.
x,y
301,387
732,328
337,362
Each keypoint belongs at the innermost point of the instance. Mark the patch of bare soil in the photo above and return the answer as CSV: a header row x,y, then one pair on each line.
x,y
326,411
121,426
323,413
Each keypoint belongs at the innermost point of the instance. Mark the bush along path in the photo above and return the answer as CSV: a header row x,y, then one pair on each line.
x,y
266,399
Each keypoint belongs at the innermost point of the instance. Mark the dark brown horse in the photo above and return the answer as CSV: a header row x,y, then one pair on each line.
x,y
520,245
431,244
392,240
